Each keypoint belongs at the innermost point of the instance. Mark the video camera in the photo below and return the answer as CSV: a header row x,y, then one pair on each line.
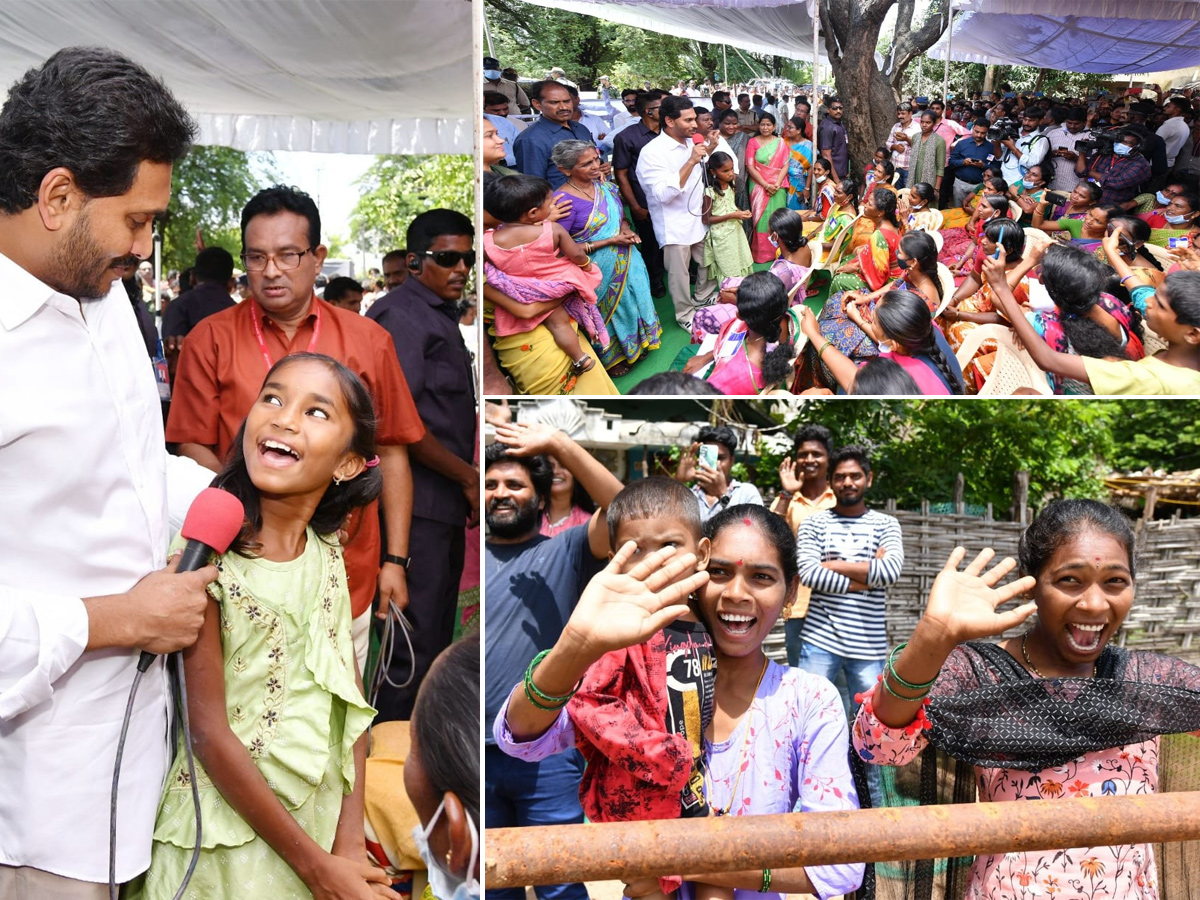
x,y
1004,129
1101,141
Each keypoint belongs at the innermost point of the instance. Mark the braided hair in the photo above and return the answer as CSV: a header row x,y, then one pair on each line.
x,y
1074,280
906,319
885,202
921,249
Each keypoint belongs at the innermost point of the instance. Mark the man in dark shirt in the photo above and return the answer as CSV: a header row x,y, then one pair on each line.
x,y
214,277
969,158
627,147
533,145
1154,148
831,139
422,317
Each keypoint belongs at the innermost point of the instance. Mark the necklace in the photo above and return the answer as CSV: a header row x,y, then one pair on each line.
x,y
1025,654
591,197
741,764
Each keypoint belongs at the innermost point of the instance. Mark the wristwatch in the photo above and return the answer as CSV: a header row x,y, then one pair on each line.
x,y
402,561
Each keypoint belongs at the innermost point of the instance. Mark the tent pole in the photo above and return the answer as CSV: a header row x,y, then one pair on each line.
x,y
725,60
814,106
487,34
949,45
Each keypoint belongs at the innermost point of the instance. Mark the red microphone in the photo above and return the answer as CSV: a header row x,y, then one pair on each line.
x,y
212,522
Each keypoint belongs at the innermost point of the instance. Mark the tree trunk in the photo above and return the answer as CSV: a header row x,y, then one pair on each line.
x,y
851,31
989,80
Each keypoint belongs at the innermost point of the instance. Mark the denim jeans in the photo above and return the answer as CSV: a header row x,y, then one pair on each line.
x,y
861,676
792,629
518,793
901,179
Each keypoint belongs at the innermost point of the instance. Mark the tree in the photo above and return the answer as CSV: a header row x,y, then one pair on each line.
x,y
851,30
209,187
1164,434
395,189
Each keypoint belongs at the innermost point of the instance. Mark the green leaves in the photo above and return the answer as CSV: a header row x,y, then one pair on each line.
x,y
398,188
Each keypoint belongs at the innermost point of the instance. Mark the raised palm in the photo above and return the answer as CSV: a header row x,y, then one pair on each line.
x,y
626,603
787,475
966,604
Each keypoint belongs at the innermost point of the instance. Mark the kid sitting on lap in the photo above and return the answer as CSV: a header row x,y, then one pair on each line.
x,y
527,245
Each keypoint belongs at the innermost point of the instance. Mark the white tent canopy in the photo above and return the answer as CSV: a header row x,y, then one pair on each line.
x,y
1097,36
778,27
337,76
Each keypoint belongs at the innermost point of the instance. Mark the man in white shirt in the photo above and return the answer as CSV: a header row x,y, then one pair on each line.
x,y
1174,131
90,495
1063,139
668,170
1027,150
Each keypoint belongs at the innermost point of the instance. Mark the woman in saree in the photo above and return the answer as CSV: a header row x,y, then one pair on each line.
x,y
753,350
800,160
1029,190
959,225
1085,320
1129,248
873,245
597,222
767,157
1086,233
916,259
822,173
993,206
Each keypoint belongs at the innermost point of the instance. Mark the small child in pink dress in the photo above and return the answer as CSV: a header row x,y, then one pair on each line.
x,y
527,246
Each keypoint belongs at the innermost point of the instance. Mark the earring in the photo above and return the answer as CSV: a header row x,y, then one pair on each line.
x,y
337,480
448,860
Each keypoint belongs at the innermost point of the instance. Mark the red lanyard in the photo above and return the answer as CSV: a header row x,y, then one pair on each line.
x,y
256,318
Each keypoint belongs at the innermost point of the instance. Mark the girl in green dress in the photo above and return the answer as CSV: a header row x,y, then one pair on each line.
x,y
726,251
275,699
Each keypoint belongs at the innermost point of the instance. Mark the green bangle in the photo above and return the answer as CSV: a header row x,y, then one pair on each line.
x,y
548,703
823,348
891,667
766,885
883,679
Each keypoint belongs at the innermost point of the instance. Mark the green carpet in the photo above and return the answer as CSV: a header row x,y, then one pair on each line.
x,y
675,338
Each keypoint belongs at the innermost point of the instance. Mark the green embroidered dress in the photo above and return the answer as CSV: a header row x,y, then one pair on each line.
x,y
293,702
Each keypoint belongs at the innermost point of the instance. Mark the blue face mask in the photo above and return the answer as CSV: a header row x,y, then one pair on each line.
x,y
444,885
491,74
1122,149
1176,220
1162,198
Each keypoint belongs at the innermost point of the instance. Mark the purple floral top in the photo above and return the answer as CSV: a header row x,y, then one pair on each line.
x,y
1122,872
796,761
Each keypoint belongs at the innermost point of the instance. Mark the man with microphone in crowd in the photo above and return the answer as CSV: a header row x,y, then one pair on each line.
x,y
90,496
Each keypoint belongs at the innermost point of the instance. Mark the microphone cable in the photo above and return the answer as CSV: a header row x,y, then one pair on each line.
x,y
395,621
179,693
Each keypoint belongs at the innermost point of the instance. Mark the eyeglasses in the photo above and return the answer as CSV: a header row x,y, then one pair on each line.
x,y
448,259
284,262
835,109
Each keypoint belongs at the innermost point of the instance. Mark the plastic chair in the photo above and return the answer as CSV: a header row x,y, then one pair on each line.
x,y
829,258
946,279
1161,254
1013,367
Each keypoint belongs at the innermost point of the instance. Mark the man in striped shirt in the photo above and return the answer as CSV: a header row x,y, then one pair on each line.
x,y
848,555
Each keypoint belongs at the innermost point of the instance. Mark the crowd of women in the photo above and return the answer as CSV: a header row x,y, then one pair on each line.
x,y
876,289
1047,703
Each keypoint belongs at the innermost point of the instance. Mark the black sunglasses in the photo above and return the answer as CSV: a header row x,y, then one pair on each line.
x,y
448,259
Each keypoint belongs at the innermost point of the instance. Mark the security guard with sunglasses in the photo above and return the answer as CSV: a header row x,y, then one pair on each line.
x,y
422,317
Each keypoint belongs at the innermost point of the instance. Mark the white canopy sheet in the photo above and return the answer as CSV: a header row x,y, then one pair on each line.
x,y
336,76
1097,36
779,27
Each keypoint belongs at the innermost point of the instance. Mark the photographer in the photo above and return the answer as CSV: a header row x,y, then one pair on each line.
x,y
715,487
1027,148
1117,165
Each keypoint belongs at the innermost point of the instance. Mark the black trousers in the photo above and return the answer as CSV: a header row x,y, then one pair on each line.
x,y
437,562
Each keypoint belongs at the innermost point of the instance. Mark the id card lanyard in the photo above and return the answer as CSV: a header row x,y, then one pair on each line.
x,y
256,318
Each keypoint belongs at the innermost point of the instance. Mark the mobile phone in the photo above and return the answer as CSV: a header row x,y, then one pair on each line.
x,y
1176,242
996,255
707,455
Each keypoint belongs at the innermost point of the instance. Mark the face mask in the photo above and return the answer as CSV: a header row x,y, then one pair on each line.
x,y
1176,220
771,238
1122,149
822,179
903,263
491,74
444,885
1162,198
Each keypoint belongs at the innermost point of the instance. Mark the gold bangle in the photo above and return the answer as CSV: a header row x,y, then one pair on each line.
x,y
823,346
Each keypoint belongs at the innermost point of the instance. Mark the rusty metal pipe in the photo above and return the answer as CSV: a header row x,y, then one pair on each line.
x,y
516,857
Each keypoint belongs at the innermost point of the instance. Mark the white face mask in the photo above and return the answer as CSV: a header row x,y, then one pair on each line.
x,y
822,179
444,885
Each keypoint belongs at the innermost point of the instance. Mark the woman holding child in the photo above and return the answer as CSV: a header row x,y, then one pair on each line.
x,y
777,741
597,222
